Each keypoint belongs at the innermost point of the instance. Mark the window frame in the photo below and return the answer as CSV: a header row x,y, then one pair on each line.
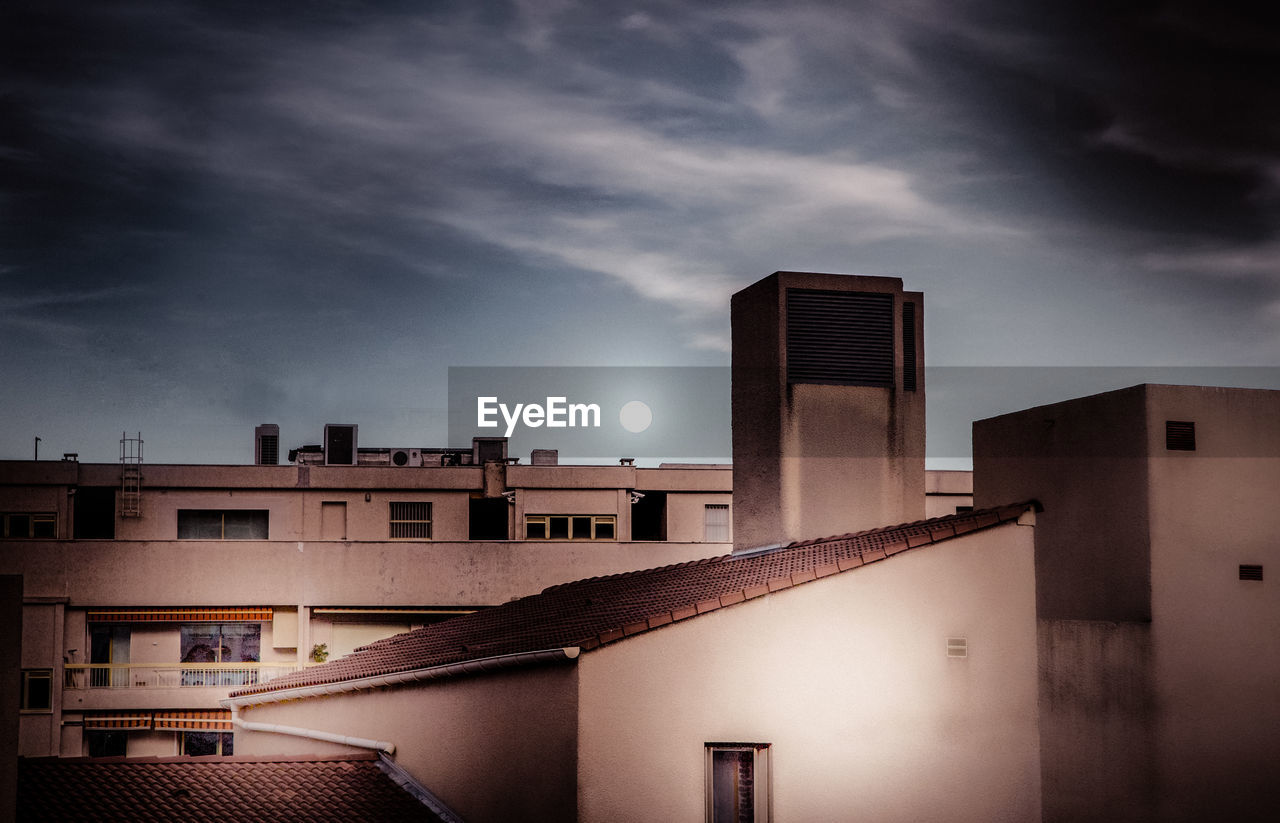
x,y
32,518
223,738
409,520
596,521
28,675
762,787
222,523
706,524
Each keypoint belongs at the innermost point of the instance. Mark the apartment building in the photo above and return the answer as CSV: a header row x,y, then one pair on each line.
x,y
151,591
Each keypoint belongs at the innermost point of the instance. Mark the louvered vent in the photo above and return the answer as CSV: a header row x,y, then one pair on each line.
x,y
1250,572
1180,435
957,647
908,346
842,338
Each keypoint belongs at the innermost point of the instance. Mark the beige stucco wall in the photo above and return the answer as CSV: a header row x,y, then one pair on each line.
x,y
390,573
1158,663
1216,655
849,680
496,748
686,516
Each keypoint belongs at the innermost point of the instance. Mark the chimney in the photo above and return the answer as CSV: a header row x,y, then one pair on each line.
x,y
828,407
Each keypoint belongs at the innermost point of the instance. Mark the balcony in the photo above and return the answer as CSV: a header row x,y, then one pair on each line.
x,y
170,675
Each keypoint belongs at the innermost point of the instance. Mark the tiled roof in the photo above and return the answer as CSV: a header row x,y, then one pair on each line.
x,y
343,788
590,613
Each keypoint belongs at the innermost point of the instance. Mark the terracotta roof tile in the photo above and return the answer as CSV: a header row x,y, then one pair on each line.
x,y
600,610
318,789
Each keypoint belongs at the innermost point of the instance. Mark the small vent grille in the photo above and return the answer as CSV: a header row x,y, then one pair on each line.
x,y
1180,435
957,647
908,346
1250,572
841,338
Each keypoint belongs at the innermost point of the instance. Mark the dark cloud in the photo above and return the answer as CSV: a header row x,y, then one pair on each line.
x,y
229,212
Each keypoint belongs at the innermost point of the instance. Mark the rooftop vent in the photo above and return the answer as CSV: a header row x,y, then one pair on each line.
x,y
839,337
266,445
1248,572
1180,435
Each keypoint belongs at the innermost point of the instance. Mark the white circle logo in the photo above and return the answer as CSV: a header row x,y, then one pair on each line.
x,y
635,417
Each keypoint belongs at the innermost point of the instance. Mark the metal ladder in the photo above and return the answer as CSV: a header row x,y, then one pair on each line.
x,y
130,475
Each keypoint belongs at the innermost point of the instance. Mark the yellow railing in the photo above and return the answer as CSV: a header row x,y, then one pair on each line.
x,y
170,675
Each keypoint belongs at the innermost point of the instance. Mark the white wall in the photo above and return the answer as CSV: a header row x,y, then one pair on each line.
x,y
848,679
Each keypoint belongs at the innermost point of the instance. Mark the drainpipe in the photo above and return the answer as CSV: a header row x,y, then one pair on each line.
x,y
312,734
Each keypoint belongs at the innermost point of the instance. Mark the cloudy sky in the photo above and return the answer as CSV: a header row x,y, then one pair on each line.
x,y
221,214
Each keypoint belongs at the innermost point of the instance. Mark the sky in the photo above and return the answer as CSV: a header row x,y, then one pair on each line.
x,y
220,214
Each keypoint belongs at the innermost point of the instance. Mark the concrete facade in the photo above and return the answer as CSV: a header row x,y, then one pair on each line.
x,y
1157,653
828,448
327,569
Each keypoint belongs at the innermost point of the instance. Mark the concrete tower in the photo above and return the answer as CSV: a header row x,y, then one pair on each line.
x,y
828,406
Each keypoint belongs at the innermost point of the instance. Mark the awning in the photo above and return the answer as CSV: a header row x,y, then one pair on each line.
x,y
133,721
181,614
197,720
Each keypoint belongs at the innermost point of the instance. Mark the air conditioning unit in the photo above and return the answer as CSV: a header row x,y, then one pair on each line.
x,y
406,457
340,441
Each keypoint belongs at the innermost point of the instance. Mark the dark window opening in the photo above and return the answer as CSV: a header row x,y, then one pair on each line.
x,y
107,743
1180,435
1250,572
489,518
203,744
95,517
649,516
737,782
29,525
230,524
37,690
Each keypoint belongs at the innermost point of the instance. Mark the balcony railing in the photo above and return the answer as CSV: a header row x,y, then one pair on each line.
x,y
170,676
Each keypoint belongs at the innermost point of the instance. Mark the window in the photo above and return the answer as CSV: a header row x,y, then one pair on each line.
x,y
716,523
1180,435
217,643
570,527
411,521
29,525
649,515
37,690
223,524
200,744
737,782
488,518
1250,571
107,743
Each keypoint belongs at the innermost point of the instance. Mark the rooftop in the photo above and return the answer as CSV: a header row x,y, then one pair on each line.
x,y
587,614
341,788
